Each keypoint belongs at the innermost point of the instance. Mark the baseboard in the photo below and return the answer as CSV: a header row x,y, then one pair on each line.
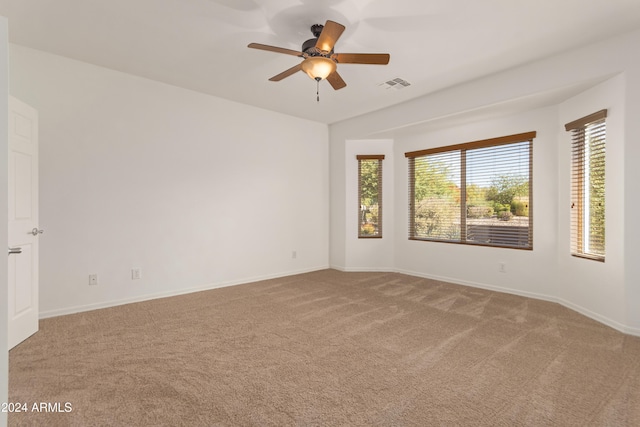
x,y
585,312
365,270
166,294
575,307
488,287
599,318
632,331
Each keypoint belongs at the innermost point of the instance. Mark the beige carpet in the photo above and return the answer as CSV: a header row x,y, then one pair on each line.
x,y
330,348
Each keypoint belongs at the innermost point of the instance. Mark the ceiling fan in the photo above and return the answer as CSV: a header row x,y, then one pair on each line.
x,y
320,62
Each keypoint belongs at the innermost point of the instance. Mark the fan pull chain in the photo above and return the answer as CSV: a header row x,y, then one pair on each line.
x,y
318,90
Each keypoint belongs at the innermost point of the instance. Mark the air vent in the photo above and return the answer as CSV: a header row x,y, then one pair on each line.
x,y
396,83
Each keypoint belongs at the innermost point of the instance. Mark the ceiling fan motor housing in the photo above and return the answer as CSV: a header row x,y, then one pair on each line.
x,y
309,47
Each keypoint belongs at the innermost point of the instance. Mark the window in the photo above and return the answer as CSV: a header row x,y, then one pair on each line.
x,y
370,195
587,185
475,193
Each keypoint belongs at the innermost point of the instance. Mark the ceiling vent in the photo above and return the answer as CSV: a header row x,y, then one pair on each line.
x,y
396,83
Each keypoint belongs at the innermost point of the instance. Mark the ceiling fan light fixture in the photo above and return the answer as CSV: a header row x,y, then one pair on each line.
x,y
318,67
320,62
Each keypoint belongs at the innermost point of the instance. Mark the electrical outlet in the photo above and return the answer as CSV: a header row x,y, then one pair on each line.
x,y
93,279
502,267
136,274
294,254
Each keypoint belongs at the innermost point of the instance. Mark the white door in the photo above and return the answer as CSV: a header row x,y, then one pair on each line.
x,y
23,221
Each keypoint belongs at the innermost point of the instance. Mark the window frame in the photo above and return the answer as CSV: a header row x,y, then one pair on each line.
x,y
379,158
579,134
486,143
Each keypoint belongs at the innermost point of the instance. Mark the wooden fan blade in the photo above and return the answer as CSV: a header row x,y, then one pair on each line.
x,y
286,73
329,36
336,81
361,58
277,49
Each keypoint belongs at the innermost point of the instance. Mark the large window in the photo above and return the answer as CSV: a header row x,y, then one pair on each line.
x,y
474,193
587,186
370,195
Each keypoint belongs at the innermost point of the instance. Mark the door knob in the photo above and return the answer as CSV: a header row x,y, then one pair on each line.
x,y
35,231
15,251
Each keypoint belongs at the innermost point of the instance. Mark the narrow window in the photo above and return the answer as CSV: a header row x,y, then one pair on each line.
x,y
474,193
587,186
370,195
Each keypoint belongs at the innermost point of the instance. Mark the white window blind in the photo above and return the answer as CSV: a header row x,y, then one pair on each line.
x,y
435,180
474,193
588,186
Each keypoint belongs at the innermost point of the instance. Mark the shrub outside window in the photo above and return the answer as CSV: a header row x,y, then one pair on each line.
x,y
474,193
370,195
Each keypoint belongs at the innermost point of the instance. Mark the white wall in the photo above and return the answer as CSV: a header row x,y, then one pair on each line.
x,y
527,272
631,208
4,150
539,96
194,190
595,286
198,192
369,254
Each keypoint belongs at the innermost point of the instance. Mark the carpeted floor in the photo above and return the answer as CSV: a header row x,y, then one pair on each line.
x,y
329,348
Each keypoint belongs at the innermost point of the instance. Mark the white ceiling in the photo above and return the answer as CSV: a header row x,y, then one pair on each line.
x,y
202,44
